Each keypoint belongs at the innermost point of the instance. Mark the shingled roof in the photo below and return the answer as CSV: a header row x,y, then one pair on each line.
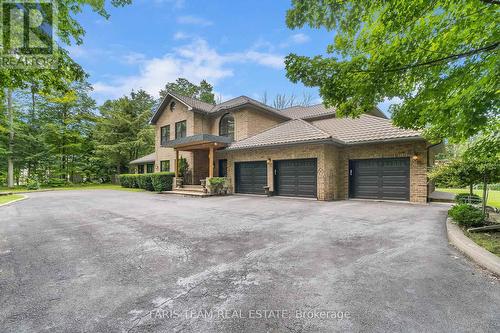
x,y
293,131
307,112
342,131
210,109
145,159
366,128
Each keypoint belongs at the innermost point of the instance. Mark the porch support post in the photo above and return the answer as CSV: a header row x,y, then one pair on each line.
x,y
211,162
176,163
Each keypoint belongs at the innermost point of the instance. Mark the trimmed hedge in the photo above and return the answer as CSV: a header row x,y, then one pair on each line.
x,y
467,215
159,182
162,181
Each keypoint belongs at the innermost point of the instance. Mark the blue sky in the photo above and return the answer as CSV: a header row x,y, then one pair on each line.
x,y
238,46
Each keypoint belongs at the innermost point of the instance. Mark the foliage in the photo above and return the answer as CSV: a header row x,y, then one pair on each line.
x,y
467,215
55,182
32,184
145,182
183,166
456,173
123,132
203,91
218,185
467,198
479,163
440,58
162,181
158,182
129,180
53,135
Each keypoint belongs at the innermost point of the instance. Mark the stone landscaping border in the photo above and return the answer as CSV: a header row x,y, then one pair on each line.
x,y
468,247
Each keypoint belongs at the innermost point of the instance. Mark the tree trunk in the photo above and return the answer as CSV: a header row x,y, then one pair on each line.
x,y
10,162
485,192
471,190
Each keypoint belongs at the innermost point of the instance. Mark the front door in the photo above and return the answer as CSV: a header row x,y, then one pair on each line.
x,y
222,168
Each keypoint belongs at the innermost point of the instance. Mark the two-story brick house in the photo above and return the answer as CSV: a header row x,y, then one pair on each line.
x,y
298,151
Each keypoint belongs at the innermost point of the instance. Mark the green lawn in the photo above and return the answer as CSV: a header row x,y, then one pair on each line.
x,y
493,196
8,198
76,187
488,240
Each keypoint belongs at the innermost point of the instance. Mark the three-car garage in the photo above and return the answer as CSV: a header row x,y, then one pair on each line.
x,y
377,178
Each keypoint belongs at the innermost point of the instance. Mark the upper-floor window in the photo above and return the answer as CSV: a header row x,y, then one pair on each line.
x,y
180,129
172,105
165,135
226,126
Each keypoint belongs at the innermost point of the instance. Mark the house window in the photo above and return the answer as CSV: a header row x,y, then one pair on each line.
x,y
165,166
180,129
150,168
226,126
165,135
172,106
140,168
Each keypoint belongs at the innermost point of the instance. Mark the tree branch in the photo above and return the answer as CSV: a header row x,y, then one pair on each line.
x,y
490,47
492,2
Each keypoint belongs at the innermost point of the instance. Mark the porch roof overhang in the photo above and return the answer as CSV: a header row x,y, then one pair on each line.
x,y
199,141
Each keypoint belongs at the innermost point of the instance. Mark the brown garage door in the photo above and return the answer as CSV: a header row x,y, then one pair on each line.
x,y
384,178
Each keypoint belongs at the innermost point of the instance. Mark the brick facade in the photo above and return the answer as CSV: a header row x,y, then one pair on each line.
x,y
333,164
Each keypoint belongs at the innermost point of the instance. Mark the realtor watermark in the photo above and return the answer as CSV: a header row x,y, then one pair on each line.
x,y
248,314
28,34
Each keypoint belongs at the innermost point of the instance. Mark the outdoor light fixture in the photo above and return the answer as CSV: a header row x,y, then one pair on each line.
x,y
415,157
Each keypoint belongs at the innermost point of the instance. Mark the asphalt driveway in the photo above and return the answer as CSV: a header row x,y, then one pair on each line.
x,y
109,261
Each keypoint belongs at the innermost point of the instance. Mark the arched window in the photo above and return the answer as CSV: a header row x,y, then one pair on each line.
x,y
226,126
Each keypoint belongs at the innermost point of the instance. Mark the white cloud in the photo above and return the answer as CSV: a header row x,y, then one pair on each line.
x,y
295,39
175,3
182,35
194,20
299,38
132,58
195,61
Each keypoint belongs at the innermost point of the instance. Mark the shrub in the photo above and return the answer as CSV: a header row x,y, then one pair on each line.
x,y
467,215
144,181
217,185
32,185
129,180
55,182
162,181
466,198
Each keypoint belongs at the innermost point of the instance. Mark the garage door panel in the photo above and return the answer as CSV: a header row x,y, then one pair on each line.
x,y
380,179
251,177
296,178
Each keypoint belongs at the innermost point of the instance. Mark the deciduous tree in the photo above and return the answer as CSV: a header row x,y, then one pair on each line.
x,y
439,57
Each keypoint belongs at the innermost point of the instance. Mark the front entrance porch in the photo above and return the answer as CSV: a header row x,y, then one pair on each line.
x,y
203,148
